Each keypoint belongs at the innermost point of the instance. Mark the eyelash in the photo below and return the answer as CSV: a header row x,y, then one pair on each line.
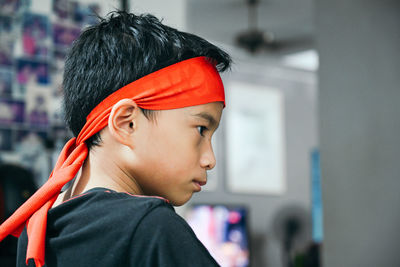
x,y
201,130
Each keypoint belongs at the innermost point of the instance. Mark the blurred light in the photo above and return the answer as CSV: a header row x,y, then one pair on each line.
x,y
307,60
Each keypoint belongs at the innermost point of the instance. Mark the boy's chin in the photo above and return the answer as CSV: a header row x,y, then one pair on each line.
x,y
179,202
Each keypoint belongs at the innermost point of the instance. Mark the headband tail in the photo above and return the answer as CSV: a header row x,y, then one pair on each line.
x,y
37,226
34,211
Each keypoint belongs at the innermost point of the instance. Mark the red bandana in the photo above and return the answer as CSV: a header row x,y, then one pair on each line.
x,y
187,83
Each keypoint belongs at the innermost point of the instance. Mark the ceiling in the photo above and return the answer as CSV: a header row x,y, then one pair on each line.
x,y
291,21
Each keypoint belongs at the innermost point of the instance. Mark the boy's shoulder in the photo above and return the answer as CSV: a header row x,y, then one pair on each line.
x,y
101,216
102,202
143,225
131,230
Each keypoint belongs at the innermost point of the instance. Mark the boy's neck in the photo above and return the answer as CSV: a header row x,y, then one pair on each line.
x,y
99,170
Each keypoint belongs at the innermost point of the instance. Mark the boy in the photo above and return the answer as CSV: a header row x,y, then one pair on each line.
x,y
143,101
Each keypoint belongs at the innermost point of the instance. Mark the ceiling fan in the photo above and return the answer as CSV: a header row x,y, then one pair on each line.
x,y
255,40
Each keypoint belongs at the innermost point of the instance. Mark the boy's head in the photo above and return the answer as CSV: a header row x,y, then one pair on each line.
x,y
165,153
119,50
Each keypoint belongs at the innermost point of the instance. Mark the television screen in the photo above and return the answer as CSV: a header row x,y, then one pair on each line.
x,y
223,230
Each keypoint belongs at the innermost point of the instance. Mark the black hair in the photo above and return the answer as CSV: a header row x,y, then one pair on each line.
x,y
119,50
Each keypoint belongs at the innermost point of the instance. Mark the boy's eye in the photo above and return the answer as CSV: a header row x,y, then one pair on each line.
x,y
201,130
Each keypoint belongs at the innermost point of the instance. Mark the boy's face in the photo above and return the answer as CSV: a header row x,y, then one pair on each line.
x,y
174,152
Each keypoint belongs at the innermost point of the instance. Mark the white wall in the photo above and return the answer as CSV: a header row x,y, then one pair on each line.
x,y
360,124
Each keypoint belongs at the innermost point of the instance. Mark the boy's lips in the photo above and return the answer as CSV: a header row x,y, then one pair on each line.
x,y
201,182
198,184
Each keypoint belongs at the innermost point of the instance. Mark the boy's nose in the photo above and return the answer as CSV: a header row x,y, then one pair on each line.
x,y
207,159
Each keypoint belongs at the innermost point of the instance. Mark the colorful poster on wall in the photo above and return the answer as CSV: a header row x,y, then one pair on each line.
x,y
35,35
32,71
11,111
64,35
59,58
38,100
60,9
6,41
84,14
32,59
14,7
255,139
6,79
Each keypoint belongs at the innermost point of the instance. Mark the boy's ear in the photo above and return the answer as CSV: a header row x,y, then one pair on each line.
x,y
122,120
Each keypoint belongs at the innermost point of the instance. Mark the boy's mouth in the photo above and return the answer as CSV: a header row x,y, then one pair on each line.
x,y
198,184
201,183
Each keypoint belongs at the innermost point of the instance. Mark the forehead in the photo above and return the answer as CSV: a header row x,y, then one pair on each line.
x,y
210,112
214,108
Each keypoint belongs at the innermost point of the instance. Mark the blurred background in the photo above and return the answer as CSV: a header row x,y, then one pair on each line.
x,y
307,152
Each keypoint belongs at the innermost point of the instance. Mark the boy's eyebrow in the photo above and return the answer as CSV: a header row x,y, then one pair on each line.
x,y
207,116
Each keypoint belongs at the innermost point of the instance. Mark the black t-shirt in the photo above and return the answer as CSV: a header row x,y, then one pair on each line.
x,y
106,228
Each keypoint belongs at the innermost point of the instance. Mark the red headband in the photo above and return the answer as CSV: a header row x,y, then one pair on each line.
x,y
187,83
